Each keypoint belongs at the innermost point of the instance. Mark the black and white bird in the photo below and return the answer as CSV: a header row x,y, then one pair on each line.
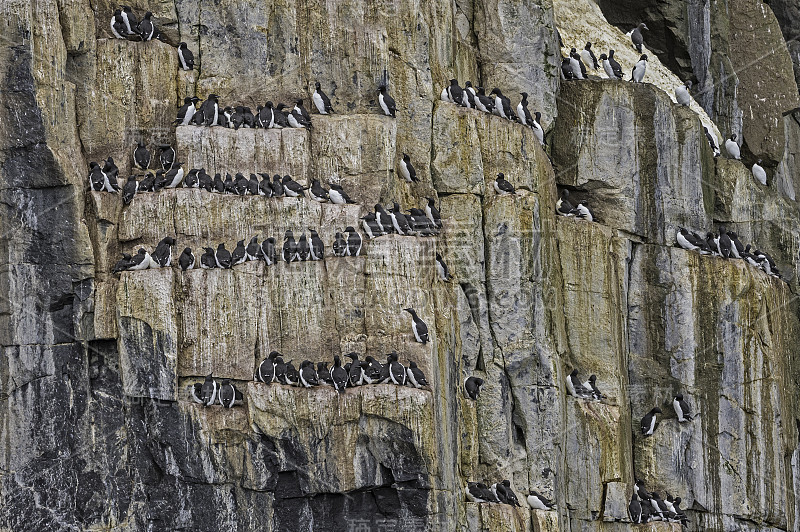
x,y
587,55
472,385
209,390
476,492
682,94
289,248
635,509
227,394
118,28
649,421
575,387
503,187
415,375
384,219
712,141
537,501
724,244
146,29
253,249
386,102
397,372
130,20
223,257
303,248
140,261
523,113
239,253
196,392
317,246
266,370
441,269
277,187
174,176
456,93
616,69
208,259
316,192
96,177
502,490
536,125
502,105
186,260
733,148
210,111
637,38
354,242
321,101
308,375
186,111
407,169
483,102
123,264
269,252
297,120
291,187
682,409
142,156
162,255
339,245
759,173
639,69
371,226
418,326
399,220
337,195
578,68
109,174
566,69
591,386
185,56
167,156
129,189
433,213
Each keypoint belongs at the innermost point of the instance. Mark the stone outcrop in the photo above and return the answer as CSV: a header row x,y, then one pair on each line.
x,y
98,427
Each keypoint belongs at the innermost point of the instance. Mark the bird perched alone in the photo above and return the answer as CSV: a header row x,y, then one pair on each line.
x,y
386,102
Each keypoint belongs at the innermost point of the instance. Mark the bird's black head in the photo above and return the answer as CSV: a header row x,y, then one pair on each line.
x,y
352,356
240,243
656,410
588,46
478,381
300,102
572,51
467,84
643,26
679,397
131,178
643,58
349,229
188,251
382,89
574,373
169,241
317,85
495,91
410,311
524,95
288,234
603,57
148,15
209,250
501,176
733,137
221,246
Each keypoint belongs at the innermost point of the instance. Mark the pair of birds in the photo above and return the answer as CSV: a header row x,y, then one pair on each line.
x,y
682,410
732,147
646,507
210,392
495,103
573,67
564,207
583,390
161,257
726,245
125,25
355,373
143,157
414,222
104,178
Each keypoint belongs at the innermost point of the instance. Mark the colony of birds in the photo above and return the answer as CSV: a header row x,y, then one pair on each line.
x,y
726,245
644,506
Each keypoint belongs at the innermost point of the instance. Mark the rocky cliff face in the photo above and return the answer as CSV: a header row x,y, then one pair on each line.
x,y
98,429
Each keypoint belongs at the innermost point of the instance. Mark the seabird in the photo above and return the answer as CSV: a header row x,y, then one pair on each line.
x,y
441,268
289,248
636,36
483,102
337,195
637,75
523,113
355,375
291,187
142,156
415,375
724,244
397,372
732,147
578,68
338,375
649,421
386,102
538,131
591,386
759,173
432,212
167,156
130,21
384,219
737,249
566,68
682,95
587,55
475,493
268,251
615,66
174,176
292,375
308,375
370,225
339,245
118,28
418,326
502,105
129,190
185,56
303,248
110,172
575,388
208,259
537,501
277,187
456,93
227,394
146,29
280,370
712,141
582,211
472,385
317,247
505,494
635,509
208,392
239,253
563,205
316,192
186,260
266,370
503,187
162,255
353,242
123,264
140,261
222,257
321,101
210,110
681,409
407,169
196,392
686,240
640,490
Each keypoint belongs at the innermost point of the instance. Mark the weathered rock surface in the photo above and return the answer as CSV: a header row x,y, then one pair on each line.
x,y
98,428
